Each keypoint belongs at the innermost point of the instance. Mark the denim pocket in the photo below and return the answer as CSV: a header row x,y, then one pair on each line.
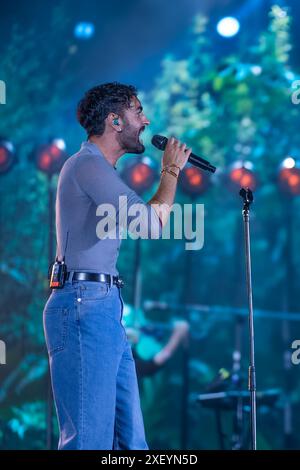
x,y
93,291
55,327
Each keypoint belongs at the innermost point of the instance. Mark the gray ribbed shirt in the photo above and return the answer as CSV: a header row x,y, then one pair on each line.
x,y
87,180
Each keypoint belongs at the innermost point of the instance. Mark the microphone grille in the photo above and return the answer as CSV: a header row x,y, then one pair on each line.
x,y
159,141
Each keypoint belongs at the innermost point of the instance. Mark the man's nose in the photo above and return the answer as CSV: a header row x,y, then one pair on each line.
x,y
146,121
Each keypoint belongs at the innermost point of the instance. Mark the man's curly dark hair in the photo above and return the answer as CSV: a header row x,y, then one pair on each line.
x,y
101,100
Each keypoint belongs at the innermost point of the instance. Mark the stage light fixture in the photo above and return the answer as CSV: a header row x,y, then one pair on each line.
x,y
289,176
51,157
84,30
242,175
140,174
7,156
193,181
228,27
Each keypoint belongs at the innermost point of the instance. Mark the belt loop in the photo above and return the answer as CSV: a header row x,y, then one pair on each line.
x,y
111,280
71,274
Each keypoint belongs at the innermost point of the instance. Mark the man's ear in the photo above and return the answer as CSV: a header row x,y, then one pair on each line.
x,y
115,121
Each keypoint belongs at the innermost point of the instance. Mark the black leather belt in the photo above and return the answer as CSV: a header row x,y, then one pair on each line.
x,y
95,277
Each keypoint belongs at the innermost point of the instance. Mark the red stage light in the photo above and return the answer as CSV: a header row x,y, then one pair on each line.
x,y
55,151
140,175
50,158
195,177
241,175
193,181
289,177
45,161
3,156
7,156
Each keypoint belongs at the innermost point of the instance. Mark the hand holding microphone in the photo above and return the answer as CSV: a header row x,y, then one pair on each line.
x,y
175,156
162,143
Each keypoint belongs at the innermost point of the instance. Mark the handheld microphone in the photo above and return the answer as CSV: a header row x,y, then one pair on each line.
x,y
160,142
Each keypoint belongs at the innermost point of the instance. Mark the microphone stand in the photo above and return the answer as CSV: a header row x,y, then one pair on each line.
x,y
247,197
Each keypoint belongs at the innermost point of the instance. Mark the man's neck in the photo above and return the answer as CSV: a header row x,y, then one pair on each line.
x,y
110,150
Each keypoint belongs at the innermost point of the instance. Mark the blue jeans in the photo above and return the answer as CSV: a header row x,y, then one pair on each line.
x,y
92,369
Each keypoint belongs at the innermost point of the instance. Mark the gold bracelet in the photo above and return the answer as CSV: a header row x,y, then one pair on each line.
x,y
167,170
174,166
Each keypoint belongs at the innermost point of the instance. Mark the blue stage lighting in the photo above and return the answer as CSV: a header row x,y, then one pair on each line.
x,y
84,30
228,27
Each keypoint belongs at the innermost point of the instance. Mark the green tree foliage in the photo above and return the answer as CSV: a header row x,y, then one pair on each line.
x,y
234,108
237,107
33,66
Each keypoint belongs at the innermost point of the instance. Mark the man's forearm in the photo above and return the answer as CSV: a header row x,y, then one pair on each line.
x,y
163,199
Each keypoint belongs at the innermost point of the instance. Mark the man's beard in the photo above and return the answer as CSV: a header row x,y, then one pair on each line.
x,y
130,140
